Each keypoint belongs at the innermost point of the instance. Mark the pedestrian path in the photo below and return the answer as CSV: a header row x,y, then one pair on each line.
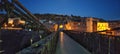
x,y
66,45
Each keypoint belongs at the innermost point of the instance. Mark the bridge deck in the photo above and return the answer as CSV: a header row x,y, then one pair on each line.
x,y
68,46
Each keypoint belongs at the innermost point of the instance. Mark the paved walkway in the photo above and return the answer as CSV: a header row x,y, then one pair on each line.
x,y
68,46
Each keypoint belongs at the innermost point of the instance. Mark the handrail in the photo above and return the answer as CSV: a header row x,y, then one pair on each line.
x,y
44,46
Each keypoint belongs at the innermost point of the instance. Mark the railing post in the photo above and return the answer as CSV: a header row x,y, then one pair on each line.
x,y
1,41
109,43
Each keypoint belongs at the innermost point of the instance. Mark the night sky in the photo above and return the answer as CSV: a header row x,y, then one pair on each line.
x,y
106,9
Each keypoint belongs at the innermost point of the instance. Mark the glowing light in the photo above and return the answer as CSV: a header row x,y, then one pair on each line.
x,y
21,21
102,26
55,27
12,25
10,22
5,25
68,26
31,40
61,26
108,29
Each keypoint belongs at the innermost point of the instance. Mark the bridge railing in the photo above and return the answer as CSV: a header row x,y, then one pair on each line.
x,y
97,43
44,46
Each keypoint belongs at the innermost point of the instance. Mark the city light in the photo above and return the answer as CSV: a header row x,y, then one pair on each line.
x,y
5,25
102,26
61,26
12,25
10,21
55,27
68,26
22,22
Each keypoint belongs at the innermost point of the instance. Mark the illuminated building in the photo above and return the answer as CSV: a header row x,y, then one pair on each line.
x,y
18,20
55,27
68,26
15,22
22,22
89,24
10,21
102,26
83,24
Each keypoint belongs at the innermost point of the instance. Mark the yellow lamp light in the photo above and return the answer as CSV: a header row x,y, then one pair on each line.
x,y
61,26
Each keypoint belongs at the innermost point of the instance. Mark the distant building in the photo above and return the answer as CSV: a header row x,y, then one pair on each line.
x,y
14,22
90,24
115,24
102,26
68,25
84,24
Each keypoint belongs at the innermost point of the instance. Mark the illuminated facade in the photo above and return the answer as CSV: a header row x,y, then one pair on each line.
x,y
68,26
89,24
102,26
84,24
10,21
55,27
13,22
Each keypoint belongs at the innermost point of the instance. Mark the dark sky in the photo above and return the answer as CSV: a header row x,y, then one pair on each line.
x,y
106,9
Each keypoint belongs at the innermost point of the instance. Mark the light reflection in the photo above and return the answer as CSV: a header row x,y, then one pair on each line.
x,y
61,37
